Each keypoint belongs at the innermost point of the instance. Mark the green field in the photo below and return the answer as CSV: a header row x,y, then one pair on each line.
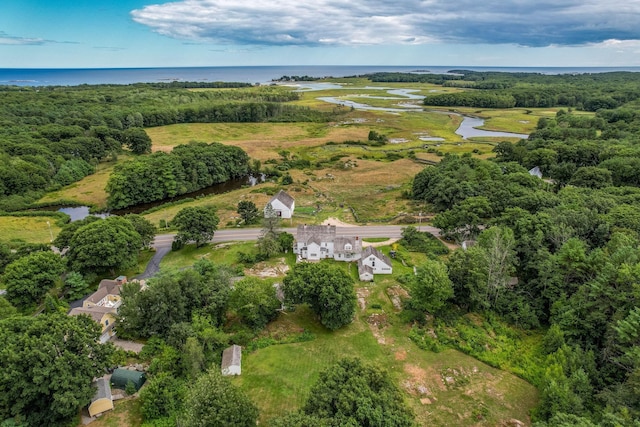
x,y
39,229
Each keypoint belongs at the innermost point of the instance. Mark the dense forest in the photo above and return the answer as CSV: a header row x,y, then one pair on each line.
x,y
524,90
571,240
53,136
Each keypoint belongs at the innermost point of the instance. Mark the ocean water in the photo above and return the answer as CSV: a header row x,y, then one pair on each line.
x,y
72,77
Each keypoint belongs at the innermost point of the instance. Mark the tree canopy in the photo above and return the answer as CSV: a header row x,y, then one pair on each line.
x,y
196,224
351,393
29,278
326,288
214,401
48,364
106,245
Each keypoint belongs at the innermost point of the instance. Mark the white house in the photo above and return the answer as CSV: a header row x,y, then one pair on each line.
x,y
314,242
365,273
282,204
379,262
232,360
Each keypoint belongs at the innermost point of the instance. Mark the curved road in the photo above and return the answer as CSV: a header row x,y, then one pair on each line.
x,y
162,242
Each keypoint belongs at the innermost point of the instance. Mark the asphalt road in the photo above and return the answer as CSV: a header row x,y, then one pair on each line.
x,y
240,234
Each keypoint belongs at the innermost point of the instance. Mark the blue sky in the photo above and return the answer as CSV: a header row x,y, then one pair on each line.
x,y
141,33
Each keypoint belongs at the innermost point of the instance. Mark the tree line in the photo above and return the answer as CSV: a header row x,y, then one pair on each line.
x,y
163,175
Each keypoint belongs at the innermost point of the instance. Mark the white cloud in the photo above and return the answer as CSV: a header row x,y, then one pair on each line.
x,y
6,39
390,22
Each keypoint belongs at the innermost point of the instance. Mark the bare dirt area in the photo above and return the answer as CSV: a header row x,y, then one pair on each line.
x,y
397,294
378,322
337,222
263,269
362,294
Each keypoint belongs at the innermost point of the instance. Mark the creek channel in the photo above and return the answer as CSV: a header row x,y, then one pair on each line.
x,y
80,212
467,129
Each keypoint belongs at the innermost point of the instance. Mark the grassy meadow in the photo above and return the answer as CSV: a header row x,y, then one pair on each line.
x,y
31,229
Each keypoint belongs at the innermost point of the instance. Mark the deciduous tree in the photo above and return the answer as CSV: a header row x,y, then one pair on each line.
x,y
255,301
29,278
48,363
109,245
196,224
214,401
351,393
327,289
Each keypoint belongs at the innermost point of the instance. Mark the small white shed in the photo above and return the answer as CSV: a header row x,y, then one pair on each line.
x,y
232,360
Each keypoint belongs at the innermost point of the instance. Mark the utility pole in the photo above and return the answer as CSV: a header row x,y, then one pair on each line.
x,y
419,220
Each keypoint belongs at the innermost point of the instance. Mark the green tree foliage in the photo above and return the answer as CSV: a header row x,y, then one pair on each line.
x,y
172,298
143,227
254,301
75,286
351,393
196,224
63,239
6,309
161,397
463,220
137,140
213,401
327,289
106,245
29,278
162,175
430,288
48,363
248,211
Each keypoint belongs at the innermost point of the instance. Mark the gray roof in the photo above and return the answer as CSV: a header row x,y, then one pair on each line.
x,y
231,356
106,287
536,172
103,389
363,269
316,233
95,312
370,250
284,198
340,242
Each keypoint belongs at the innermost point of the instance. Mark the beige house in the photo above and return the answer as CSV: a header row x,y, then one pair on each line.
x,y
102,306
105,316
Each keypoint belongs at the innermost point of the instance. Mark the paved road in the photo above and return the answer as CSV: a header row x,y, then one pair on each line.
x,y
162,242
228,235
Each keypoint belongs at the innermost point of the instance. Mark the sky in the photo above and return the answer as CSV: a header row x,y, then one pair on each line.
x,y
189,33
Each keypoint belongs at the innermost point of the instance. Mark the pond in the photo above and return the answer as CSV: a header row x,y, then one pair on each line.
x,y
81,212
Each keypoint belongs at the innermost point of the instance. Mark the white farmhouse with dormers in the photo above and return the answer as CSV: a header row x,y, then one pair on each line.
x,y
314,242
282,204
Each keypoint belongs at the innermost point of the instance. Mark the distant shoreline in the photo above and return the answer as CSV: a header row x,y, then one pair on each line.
x,y
245,74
